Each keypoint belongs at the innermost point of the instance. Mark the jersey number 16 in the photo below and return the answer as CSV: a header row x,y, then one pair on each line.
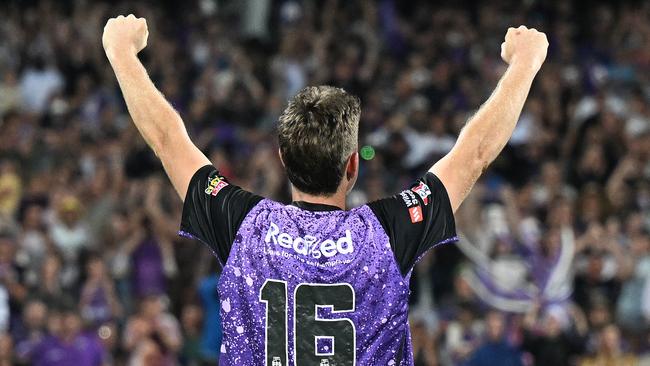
x,y
316,341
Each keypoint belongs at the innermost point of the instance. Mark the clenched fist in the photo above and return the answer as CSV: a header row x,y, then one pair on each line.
x,y
123,35
526,46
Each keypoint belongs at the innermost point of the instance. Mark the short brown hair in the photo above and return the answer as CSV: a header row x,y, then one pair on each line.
x,y
317,132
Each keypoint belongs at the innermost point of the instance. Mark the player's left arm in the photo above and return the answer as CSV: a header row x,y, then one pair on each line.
x,y
485,135
158,122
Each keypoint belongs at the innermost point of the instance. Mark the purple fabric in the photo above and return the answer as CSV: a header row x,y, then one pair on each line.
x,y
148,276
487,281
516,294
390,27
380,316
185,234
540,267
85,350
98,310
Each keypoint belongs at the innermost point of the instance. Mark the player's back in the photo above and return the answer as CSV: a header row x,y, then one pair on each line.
x,y
320,286
311,284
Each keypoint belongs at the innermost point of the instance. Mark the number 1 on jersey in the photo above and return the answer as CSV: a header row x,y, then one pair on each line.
x,y
274,294
308,327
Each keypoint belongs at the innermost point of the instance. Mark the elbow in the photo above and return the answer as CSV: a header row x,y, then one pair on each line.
x,y
483,157
480,164
158,142
155,144
160,133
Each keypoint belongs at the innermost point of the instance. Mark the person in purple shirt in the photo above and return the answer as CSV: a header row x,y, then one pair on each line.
x,y
98,303
31,329
311,283
67,344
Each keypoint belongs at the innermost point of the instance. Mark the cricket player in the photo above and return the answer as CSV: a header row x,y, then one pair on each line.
x,y
311,282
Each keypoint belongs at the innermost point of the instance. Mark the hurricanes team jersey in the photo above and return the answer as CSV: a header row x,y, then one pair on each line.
x,y
309,284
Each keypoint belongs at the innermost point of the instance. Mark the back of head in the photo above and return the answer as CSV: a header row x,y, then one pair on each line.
x,y
317,133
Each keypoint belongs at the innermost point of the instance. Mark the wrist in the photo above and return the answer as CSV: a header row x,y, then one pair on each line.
x,y
525,64
116,55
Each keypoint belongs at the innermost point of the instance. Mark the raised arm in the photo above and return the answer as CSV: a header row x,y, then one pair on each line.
x,y
157,121
488,131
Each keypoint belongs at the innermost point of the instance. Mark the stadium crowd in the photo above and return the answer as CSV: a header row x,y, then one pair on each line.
x,y
553,266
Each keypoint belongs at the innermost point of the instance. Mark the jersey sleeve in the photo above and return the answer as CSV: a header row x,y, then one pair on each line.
x,y
416,220
214,209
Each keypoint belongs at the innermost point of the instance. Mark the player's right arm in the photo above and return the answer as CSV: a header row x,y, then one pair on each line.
x,y
157,121
488,131
213,208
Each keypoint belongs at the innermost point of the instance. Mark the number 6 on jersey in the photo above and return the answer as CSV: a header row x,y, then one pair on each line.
x,y
316,341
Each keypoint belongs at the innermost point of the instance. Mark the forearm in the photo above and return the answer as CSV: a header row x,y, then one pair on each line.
x,y
488,131
154,117
485,134
157,121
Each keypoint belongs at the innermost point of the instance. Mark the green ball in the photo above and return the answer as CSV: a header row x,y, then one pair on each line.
x,y
367,152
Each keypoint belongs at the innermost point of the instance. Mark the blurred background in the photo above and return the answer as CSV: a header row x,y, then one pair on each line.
x,y
554,263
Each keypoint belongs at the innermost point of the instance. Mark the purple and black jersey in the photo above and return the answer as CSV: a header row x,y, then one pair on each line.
x,y
311,284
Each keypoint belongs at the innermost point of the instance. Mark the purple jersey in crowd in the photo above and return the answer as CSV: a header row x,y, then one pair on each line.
x,y
84,350
311,284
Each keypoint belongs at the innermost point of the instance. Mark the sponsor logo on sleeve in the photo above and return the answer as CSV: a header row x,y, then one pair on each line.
x,y
409,198
416,214
215,184
423,191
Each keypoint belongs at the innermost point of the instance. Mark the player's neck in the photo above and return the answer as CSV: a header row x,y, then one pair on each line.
x,y
337,199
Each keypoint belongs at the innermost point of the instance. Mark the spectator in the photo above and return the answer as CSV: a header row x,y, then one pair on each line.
x,y
495,350
12,288
66,344
49,286
552,341
191,319
34,238
98,301
70,235
38,84
463,334
609,351
31,330
152,332
603,266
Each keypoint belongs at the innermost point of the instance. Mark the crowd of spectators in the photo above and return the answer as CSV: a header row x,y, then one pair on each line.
x,y
553,267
